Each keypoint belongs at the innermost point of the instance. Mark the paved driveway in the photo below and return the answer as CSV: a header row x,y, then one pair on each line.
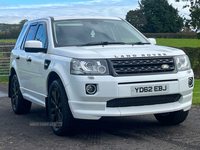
x,y
138,132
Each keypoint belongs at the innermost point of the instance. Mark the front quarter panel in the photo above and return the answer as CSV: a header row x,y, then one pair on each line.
x,y
61,66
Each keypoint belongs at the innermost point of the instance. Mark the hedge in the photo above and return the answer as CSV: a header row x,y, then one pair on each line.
x,y
172,35
193,54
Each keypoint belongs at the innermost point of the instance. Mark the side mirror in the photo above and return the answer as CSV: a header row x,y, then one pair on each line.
x,y
152,41
33,46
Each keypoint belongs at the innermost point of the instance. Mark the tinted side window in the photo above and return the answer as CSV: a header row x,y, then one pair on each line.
x,y
41,35
30,35
19,39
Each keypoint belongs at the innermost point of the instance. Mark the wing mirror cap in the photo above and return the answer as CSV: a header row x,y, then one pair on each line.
x,y
33,46
152,41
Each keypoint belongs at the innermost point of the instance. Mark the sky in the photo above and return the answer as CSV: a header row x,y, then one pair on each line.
x,y
13,11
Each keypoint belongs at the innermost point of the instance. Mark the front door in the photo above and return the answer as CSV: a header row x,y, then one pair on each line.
x,y
32,71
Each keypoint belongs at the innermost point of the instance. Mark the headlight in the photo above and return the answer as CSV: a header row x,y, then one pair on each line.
x,y
182,63
89,67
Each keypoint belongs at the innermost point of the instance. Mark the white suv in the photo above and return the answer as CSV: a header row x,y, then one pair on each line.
x,y
93,67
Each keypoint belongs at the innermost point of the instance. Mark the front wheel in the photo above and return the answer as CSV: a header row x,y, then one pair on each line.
x,y
172,118
59,111
19,104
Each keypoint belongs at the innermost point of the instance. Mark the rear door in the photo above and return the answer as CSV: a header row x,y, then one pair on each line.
x,y
23,66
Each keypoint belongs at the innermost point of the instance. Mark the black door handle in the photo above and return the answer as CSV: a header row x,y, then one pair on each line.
x,y
29,59
17,57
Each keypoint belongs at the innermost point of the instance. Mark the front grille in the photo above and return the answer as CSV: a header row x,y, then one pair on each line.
x,y
142,65
142,101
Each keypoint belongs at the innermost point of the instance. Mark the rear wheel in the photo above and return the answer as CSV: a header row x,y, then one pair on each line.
x,y
172,118
19,104
59,111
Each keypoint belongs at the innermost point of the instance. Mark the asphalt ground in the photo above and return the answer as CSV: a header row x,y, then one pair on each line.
x,y
121,133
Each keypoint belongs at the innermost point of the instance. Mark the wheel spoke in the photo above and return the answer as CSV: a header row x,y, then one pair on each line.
x,y
14,89
59,116
60,105
55,107
14,85
52,101
53,110
14,94
55,96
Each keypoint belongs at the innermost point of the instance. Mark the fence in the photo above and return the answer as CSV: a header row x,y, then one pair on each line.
x,y
5,51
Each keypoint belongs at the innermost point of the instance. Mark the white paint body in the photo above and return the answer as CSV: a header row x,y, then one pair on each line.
x,y
33,78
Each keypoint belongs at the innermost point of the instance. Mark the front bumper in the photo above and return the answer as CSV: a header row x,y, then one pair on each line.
x,y
84,106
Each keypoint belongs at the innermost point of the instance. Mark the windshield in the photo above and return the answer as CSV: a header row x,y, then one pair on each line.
x,y
94,32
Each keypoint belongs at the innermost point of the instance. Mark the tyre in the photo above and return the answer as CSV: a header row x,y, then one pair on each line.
x,y
59,111
19,104
172,118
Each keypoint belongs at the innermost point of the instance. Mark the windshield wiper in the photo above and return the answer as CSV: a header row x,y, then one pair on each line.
x,y
101,43
138,43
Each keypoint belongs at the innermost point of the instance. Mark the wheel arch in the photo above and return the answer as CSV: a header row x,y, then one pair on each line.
x,y
12,72
51,77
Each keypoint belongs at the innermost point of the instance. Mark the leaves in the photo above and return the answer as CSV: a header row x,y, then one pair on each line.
x,y
155,16
137,19
195,18
11,30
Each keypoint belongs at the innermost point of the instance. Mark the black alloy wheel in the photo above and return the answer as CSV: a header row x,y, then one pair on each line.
x,y
59,111
19,104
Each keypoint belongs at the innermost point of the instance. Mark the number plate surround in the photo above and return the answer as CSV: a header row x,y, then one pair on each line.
x,y
149,89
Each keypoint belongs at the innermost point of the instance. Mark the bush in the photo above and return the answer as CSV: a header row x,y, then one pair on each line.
x,y
194,55
198,35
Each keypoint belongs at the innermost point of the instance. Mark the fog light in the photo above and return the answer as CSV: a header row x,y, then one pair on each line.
x,y
91,89
190,82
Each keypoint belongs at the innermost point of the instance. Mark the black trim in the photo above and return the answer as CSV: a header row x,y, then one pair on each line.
x,y
153,81
114,74
36,50
143,101
46,64
190,82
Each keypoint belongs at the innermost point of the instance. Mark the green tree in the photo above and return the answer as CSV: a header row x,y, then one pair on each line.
x,y
16,31
195,19
137,19
192,2
22,22
161,17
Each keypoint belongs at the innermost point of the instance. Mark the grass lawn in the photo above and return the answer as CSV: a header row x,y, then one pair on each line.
x,y
8,40
4,79
179,42
196,92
